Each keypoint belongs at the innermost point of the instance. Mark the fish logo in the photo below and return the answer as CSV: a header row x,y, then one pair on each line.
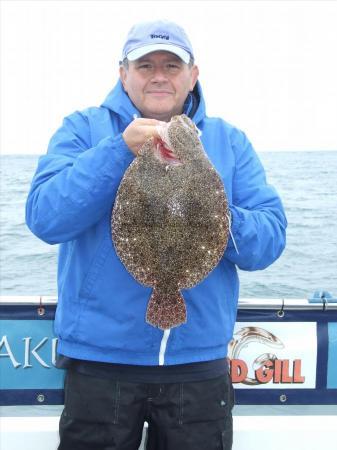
x,y
253,335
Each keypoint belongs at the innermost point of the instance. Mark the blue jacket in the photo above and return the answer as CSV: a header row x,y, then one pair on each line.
x,y
101,308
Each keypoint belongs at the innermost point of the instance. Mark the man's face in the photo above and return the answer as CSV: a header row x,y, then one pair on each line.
x,y
158,84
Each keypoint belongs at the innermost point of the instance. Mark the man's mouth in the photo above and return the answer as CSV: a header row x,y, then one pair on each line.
x,y
159,93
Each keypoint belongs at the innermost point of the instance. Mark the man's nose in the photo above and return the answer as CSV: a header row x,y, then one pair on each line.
x,y
159,75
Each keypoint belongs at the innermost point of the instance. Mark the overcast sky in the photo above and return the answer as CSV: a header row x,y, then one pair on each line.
x,y
268,67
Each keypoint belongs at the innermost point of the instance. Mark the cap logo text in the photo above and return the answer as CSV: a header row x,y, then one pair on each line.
x,y
160,36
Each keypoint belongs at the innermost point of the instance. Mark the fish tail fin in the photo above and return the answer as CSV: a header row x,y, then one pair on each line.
x,y
166,309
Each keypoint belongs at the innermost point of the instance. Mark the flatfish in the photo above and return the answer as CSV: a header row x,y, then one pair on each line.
x,y
170,220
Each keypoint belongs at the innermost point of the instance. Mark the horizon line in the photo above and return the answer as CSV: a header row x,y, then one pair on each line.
x,y
257,151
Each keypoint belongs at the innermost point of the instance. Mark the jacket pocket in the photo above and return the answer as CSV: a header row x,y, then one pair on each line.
x,y
96,267
91,399
211,399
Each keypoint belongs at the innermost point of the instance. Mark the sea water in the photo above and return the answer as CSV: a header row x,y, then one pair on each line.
x,y
306,182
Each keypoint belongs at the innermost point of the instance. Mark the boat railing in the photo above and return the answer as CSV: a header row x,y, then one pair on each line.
x,y
321,303
284,351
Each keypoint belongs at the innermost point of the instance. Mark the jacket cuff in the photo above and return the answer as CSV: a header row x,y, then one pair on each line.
x,y
121,154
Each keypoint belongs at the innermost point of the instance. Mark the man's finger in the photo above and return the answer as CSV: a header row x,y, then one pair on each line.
x,y
152,131
144,122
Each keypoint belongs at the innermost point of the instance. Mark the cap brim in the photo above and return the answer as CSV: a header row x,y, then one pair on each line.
x,y
142,51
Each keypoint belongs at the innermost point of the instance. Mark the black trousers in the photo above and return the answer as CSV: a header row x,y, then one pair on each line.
x,y
104,414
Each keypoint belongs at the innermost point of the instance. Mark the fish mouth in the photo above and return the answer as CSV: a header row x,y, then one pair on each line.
x,y
163,148
165,154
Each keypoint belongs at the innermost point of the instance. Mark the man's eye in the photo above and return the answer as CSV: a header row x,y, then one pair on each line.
x,y
144,66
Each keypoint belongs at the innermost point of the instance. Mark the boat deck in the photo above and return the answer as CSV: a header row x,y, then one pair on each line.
x,y
255,427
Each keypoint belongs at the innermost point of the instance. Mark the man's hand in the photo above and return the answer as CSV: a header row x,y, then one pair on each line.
x,y
139,131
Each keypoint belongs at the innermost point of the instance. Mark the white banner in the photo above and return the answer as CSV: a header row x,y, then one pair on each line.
x,y
274,355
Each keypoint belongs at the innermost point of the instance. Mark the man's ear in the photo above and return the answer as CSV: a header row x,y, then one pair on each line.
x,y
122,76
194,76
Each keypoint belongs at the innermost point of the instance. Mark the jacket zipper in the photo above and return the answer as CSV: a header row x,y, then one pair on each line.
x,y
163,346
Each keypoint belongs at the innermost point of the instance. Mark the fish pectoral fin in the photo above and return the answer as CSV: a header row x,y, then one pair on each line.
x,y
166,309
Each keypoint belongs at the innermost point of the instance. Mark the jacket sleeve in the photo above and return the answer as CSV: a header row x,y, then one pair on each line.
x,y
75,183
258,218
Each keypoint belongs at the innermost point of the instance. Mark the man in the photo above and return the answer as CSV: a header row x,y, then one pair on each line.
x,y
121,371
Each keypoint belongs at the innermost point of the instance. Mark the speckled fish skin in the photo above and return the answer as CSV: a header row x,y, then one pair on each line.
x,y
170,223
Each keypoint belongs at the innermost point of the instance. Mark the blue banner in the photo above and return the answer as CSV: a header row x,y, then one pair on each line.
x,y
27,355
276,358
332,356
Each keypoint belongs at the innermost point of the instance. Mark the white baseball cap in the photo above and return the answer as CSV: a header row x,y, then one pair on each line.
x,y
148,37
